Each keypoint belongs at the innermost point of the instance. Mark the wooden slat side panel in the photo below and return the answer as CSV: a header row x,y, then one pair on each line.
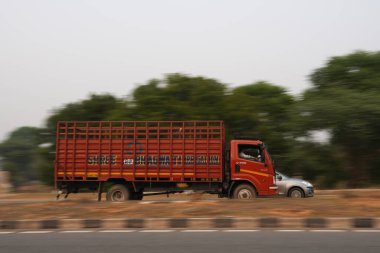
x,y
140,150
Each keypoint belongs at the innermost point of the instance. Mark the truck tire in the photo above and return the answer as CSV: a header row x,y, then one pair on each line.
x,y
118,193
296,193
244,192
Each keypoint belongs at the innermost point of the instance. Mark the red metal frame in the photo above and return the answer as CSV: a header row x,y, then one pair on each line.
x,y
174,151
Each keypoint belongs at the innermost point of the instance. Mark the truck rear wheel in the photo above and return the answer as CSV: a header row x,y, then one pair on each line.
x,y
244,192
118,193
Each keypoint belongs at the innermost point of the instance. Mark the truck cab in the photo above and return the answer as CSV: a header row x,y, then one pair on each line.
x,y
252,171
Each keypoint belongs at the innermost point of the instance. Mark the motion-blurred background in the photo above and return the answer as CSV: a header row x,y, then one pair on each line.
x,y
325,129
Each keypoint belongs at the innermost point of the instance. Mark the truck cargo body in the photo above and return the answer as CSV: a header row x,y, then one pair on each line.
x,y
164,155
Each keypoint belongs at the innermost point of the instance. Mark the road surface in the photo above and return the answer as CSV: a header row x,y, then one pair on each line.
x,y
169,241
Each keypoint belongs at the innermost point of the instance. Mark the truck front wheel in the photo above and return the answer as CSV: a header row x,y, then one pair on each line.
x,y
244,192
118,193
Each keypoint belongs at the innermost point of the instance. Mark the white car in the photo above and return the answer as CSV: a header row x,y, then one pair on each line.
x,y
293,187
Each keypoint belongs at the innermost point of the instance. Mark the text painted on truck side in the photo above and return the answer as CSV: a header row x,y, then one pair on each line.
x,y
167,160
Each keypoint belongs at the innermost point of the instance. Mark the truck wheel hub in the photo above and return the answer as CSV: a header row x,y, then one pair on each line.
x,y
117,196
245,194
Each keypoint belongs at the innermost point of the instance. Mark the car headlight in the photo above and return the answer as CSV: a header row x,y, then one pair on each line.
x,y
307,184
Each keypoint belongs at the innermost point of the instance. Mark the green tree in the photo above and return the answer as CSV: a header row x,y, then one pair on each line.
x,y
19,154
345,101
268,108
96,107
358,71
179,97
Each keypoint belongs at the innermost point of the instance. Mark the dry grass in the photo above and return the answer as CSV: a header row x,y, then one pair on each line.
x,y
329,204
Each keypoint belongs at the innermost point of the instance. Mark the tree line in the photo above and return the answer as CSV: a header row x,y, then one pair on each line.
x,y
342,105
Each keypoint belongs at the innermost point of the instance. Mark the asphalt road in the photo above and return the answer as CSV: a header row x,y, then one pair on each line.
x,y
191,241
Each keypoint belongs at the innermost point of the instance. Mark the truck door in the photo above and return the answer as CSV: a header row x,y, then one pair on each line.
x,y
249,164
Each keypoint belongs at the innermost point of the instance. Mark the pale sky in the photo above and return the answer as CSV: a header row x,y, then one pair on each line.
x,y
56,52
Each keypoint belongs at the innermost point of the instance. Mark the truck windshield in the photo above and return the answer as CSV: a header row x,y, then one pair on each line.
x,y
268,153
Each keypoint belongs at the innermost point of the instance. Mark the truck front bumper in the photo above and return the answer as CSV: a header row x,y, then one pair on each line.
x,y
273,190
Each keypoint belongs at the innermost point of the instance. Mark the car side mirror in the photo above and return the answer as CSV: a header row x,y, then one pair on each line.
x,y
279,178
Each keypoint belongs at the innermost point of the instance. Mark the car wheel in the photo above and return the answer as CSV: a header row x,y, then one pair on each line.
x,y
118,193
244,192
296,193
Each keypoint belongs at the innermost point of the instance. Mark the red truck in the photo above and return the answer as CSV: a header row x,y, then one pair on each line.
x,y
129,159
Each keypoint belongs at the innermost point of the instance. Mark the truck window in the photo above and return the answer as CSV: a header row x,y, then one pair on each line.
x,y
250,152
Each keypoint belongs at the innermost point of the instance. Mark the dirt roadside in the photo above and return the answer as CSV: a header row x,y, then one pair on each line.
x,y
347,203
